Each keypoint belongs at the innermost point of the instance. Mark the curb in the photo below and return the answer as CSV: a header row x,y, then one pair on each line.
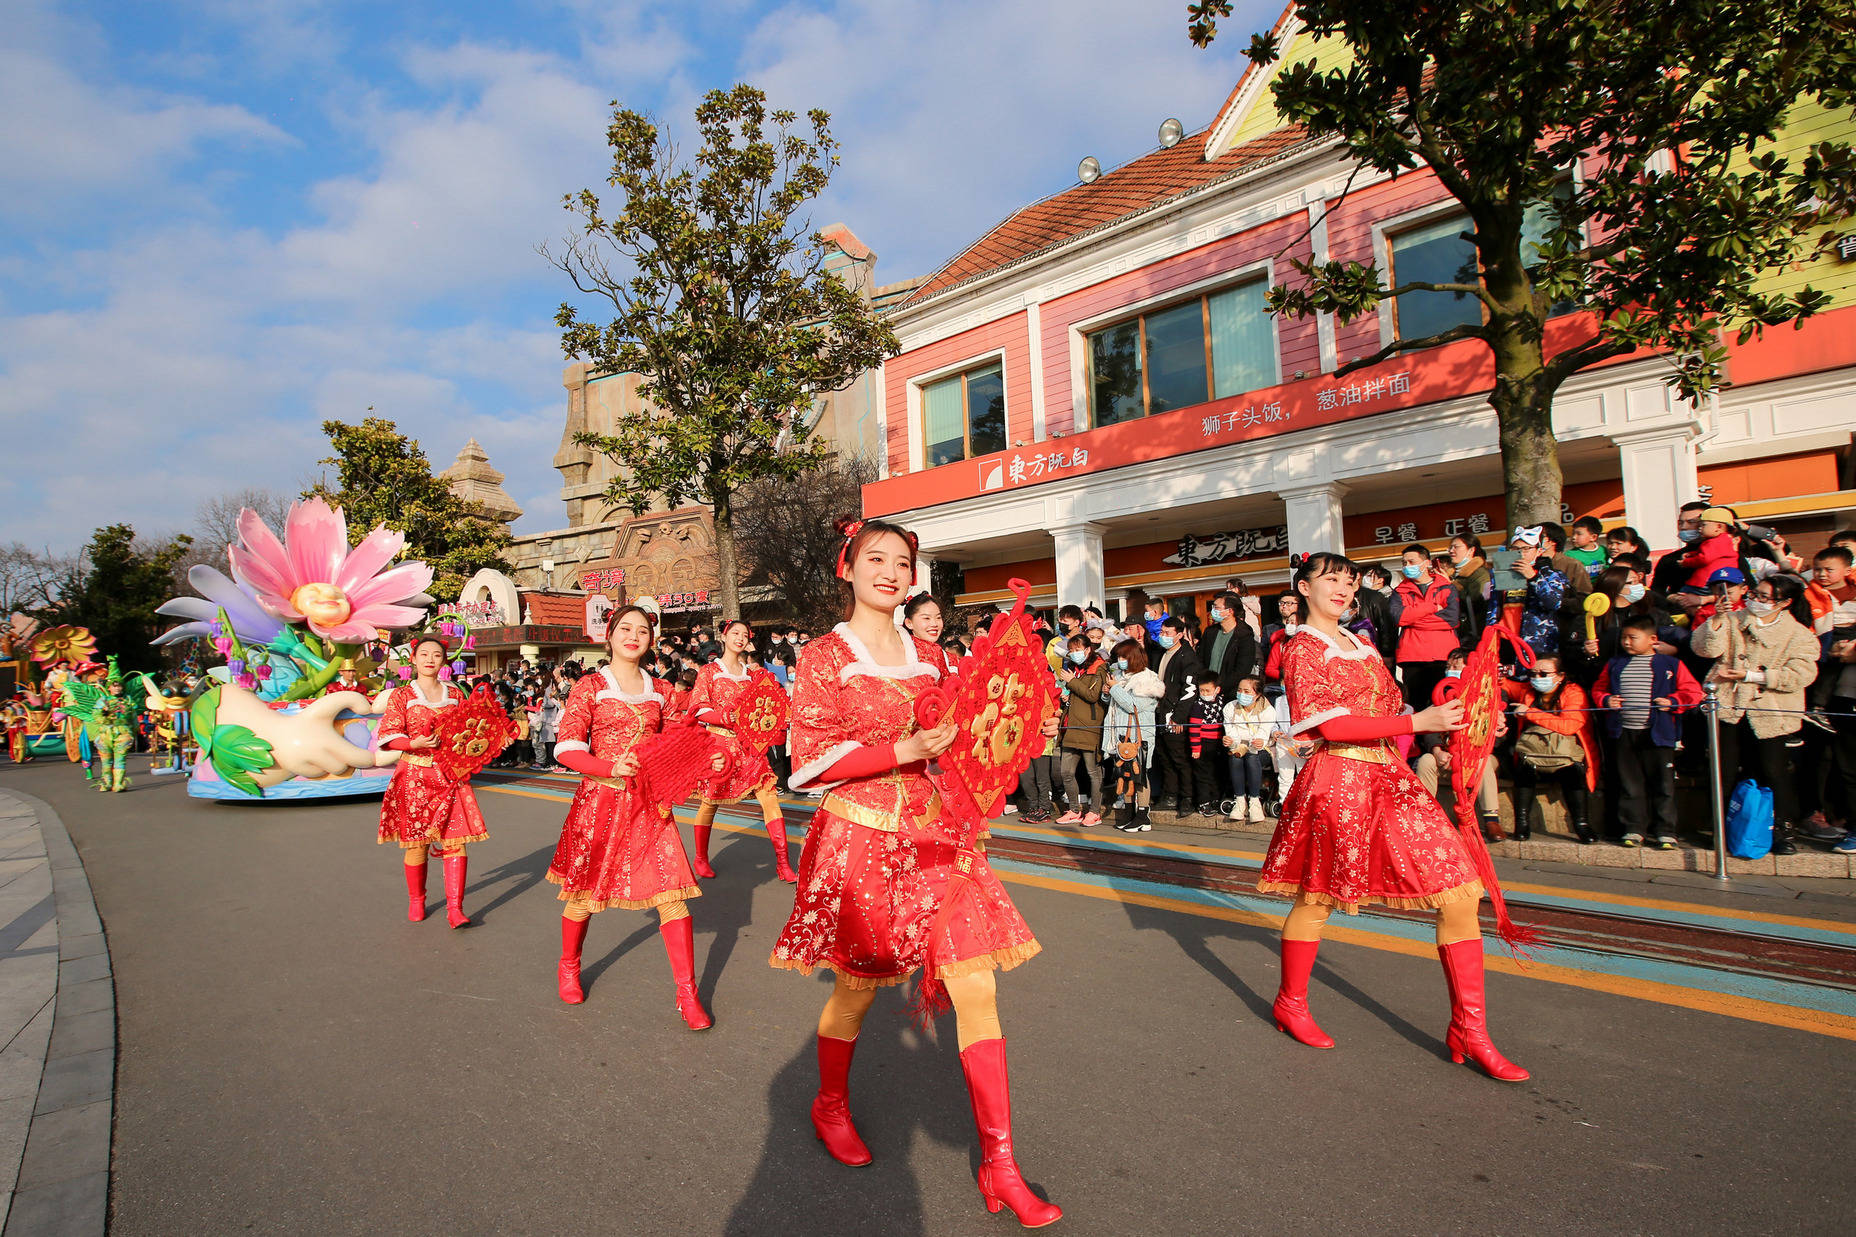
x,y
64,1175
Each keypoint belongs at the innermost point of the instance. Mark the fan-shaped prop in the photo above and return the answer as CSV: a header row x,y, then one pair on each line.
x,y
760,712
471,735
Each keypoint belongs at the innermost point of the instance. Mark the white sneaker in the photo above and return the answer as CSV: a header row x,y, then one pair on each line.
x,y
1010,810
1234,810
1256,810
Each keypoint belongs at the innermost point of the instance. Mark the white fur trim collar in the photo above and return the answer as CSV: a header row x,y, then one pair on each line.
x,y
611,690
721,671
863,663
419,696
1359,651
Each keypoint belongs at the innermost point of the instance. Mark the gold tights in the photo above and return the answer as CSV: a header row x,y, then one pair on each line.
x,y
667,912
766,796
1456,921
975,999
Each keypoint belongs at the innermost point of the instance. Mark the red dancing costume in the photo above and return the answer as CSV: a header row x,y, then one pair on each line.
x,y
888,885
617,847
748,775
1358,827
422,807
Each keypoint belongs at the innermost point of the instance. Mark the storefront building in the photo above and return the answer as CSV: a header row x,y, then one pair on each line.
x,y
1094,398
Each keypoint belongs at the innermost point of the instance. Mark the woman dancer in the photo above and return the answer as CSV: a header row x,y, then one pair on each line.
x,y
1357,826
423,810
718,685
617,847
922,616
888,883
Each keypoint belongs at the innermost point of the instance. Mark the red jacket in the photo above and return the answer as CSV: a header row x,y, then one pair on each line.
x,y
1708,557
1570,718
1427,613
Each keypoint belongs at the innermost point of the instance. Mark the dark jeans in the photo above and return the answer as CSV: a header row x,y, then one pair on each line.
x,y
1421,679
1745,754
1644,785
1034,785
1246,774
1571,781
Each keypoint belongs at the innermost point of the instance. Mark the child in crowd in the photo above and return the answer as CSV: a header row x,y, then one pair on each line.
x,y
1641,691
1588,547
1555,742
1248,720
1714,546
1205,737
1729,588
1433,763
1034,784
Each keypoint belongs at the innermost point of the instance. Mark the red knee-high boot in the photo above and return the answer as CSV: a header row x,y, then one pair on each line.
x,y
831,1111
1469,1023
776,830
680,944
1291,1009
573,935
456,866
701,864
1001,1184
415,891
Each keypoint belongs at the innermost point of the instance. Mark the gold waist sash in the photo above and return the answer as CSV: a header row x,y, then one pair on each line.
x,y
873,818
1371,753
419,759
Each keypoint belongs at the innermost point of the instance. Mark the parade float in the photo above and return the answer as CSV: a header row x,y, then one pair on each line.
x,y
274,723
36,727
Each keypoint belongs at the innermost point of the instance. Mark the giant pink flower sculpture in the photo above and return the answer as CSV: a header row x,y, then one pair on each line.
x,y
312,576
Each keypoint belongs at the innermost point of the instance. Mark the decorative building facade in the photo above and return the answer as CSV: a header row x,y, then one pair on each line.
x,y
1094,397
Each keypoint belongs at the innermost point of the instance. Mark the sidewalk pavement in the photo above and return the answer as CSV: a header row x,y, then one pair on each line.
x,y
58,1025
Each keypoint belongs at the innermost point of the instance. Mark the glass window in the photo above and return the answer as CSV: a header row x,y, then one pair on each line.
x,y
1176,357
1206,348
1243,346
1435,253
1115,369
963,416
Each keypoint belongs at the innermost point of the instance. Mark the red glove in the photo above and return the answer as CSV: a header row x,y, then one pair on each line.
x,y
584,762
1350,729
401,744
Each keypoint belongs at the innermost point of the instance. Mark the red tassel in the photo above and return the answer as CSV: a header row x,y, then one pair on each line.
x,y
930,1001
1513,935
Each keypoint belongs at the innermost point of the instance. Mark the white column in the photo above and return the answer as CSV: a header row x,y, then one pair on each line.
x,y
1658,467
1314,517
924,574
1080,580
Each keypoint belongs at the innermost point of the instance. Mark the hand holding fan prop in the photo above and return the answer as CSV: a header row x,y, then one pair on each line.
x,y
998,701
471,735
760,713
676,761
1480,692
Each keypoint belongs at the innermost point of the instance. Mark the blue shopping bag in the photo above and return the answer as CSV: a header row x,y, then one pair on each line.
x,y
1749,821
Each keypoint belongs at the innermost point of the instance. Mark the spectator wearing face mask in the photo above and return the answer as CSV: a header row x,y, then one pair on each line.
x,y
1640,692
1248,721
1084,684
1713,544
1069,623
1179,672
1765,657
1229,649
1543,593
1205,741
1276,639
1135,628
1474,583
1373,603
1555,744
1249,608
1425,606
1434,760
1133,692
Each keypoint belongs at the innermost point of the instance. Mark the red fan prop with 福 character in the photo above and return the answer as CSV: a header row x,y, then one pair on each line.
x,y
760,712
471,735
998,700
1480,691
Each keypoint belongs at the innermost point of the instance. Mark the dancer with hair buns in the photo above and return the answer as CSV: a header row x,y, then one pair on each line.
x,y
719,685
423,810
618,846
887,882
1358,827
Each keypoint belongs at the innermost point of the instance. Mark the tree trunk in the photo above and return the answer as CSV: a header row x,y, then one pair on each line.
x,y
726,565
1523,403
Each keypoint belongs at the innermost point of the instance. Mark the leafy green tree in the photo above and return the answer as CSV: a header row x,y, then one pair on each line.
x,y
723,303
114,591
383,477
1670,110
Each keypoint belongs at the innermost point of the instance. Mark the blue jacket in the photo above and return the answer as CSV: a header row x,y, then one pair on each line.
x,y
1671,681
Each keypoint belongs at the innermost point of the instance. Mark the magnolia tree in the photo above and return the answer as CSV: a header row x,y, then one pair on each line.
x,y
1670,114
723,306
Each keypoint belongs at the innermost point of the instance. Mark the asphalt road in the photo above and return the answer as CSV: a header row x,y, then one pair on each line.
x,y
296,1058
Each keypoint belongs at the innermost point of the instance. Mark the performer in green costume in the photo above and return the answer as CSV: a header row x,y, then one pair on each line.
x,y
109,719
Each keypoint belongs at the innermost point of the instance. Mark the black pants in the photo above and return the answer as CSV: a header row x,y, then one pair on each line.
x,y
1843,748
1173,772
1421,679
1644,785
1745,754
1571,781
1205,774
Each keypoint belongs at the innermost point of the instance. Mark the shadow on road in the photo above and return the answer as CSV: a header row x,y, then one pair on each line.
x,y
522,874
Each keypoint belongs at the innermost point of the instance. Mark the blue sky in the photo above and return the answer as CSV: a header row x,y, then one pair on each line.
x,y
222,221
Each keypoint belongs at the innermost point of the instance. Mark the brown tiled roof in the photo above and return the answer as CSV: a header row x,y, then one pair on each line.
x,y
1147,182
568,609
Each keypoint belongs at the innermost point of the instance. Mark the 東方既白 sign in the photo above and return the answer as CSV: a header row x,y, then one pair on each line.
x,y
1202,550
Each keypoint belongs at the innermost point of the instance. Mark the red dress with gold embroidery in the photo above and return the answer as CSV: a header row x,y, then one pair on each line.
x,y
617,848
1358,826
422,806
712,702
886,884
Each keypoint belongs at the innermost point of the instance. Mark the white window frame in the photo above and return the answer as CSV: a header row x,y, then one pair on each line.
x,y
918,446
1080,419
